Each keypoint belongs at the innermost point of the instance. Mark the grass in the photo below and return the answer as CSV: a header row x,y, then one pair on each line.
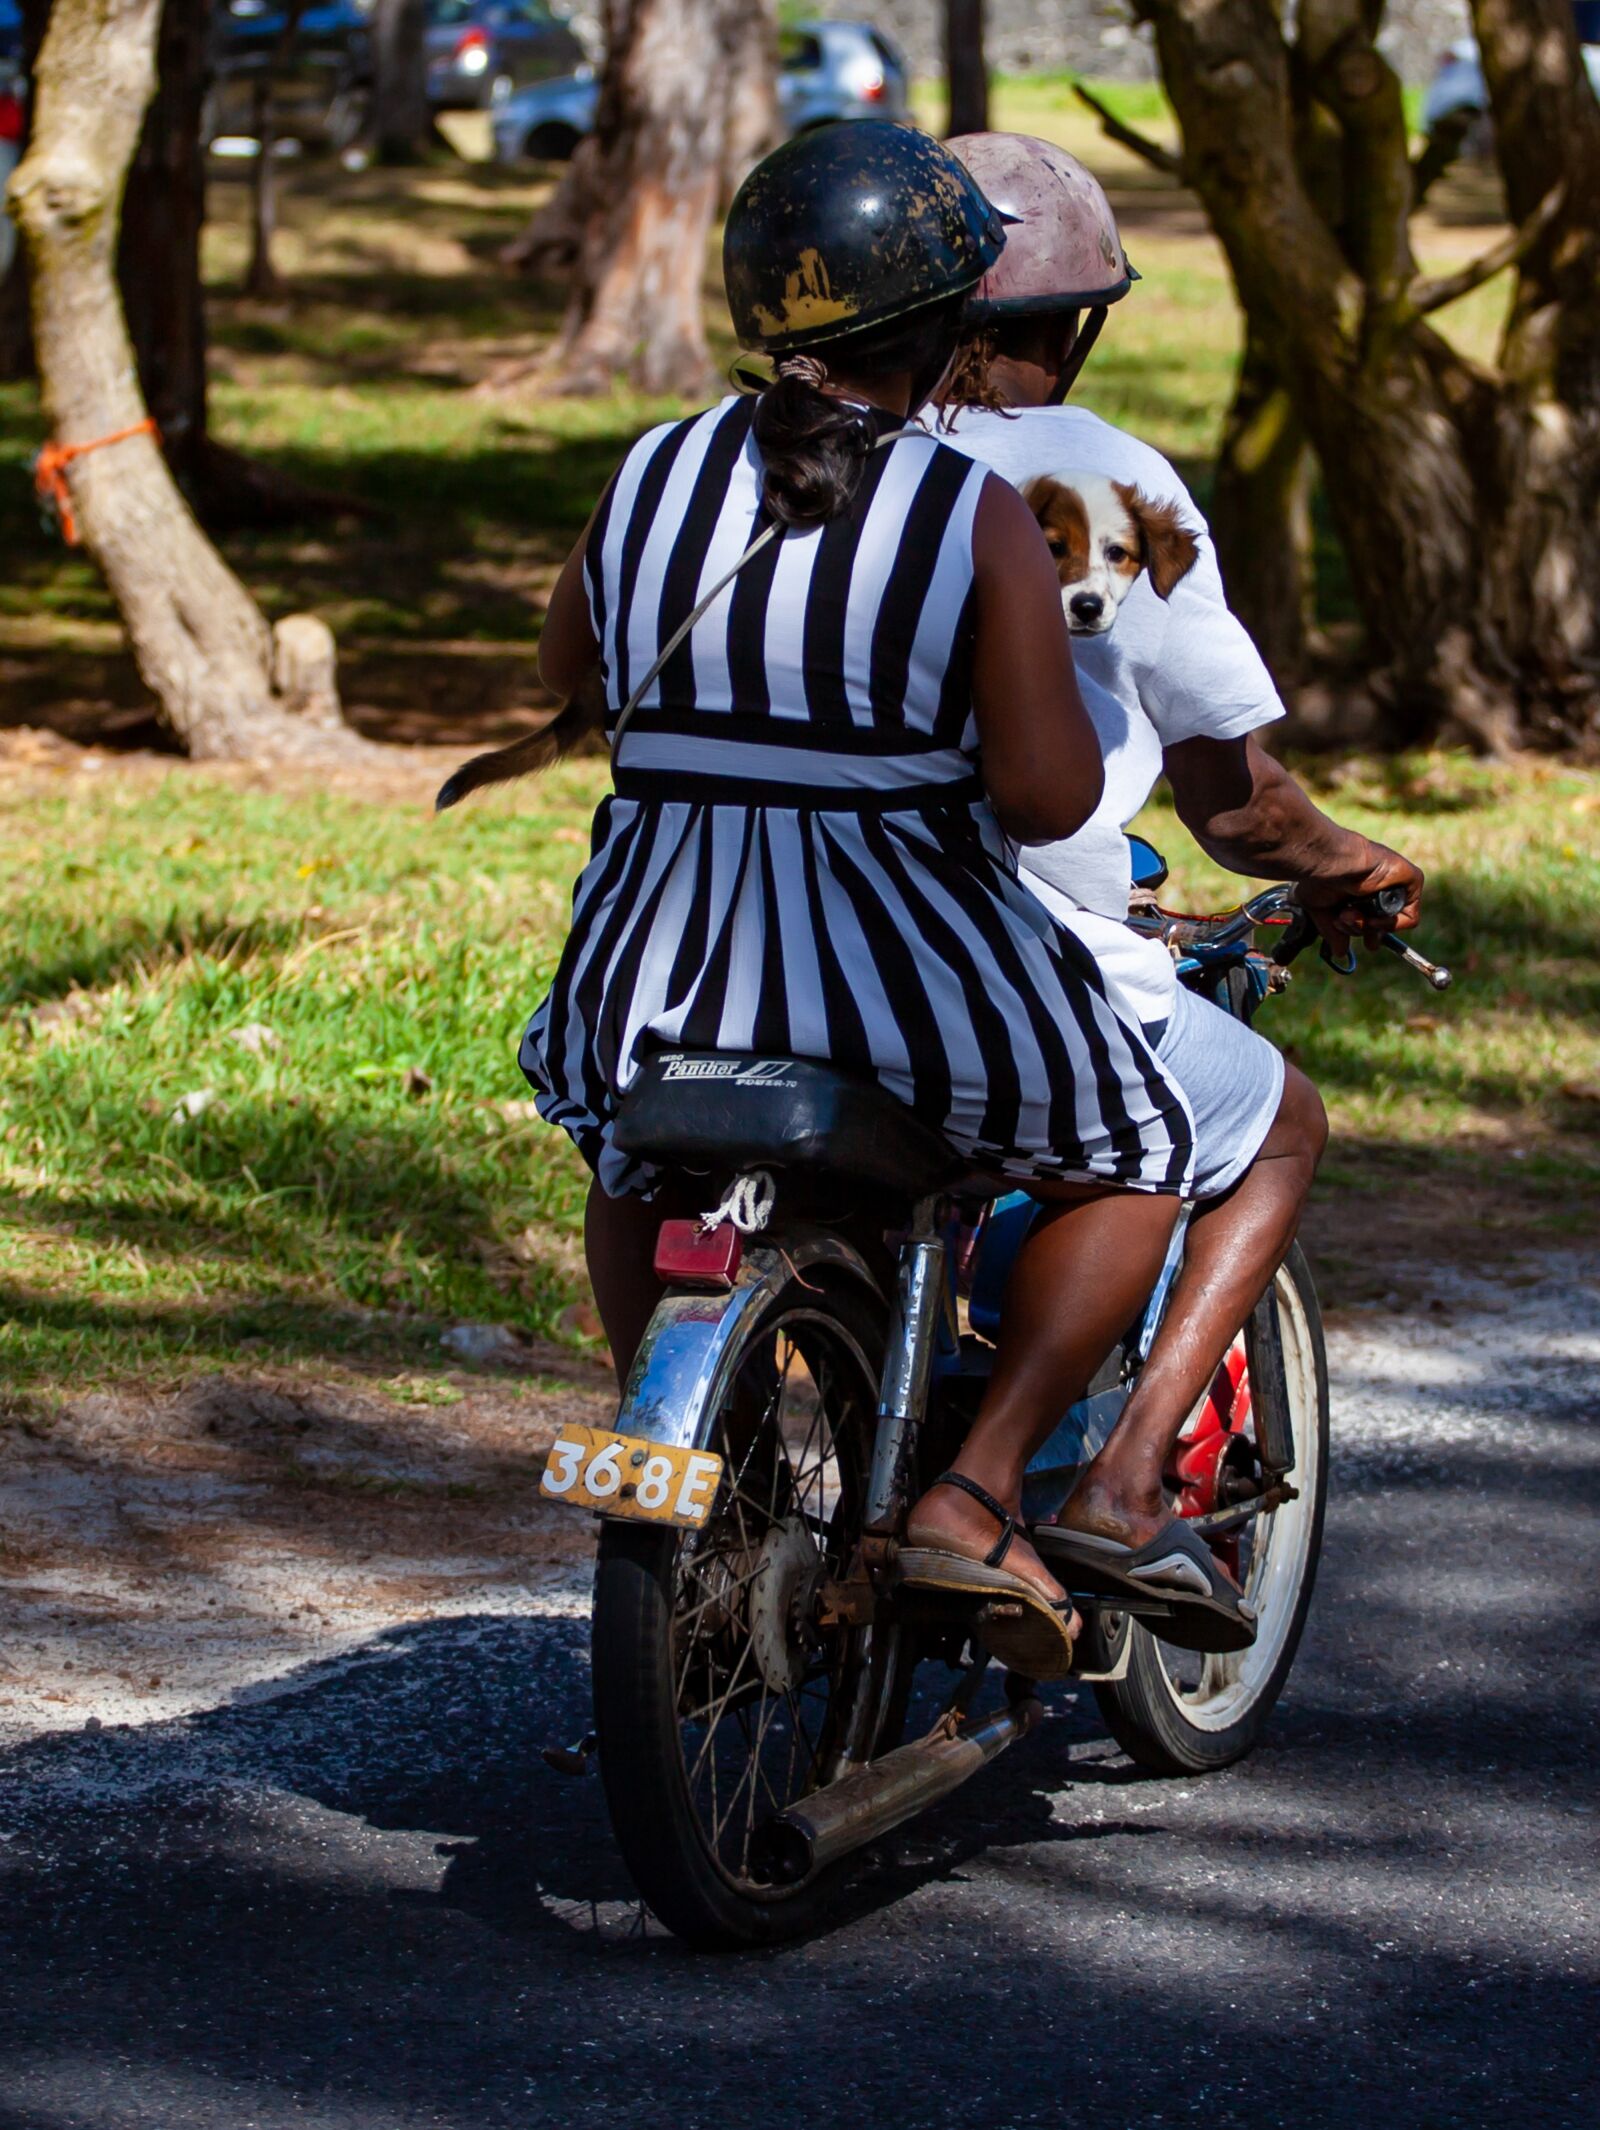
x,y
360,1180
373,1170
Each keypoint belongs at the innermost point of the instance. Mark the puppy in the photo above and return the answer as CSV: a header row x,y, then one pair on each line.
x,y
570,726
1102,534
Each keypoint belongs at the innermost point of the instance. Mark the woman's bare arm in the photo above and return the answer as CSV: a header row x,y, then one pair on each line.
x,y
1042,764
568,649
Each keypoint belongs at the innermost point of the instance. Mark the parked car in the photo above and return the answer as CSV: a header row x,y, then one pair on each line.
x,y
480,52
321,75
13,113
1458,90
826,71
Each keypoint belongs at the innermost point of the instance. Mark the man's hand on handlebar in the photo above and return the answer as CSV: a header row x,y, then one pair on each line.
x,y
1331,902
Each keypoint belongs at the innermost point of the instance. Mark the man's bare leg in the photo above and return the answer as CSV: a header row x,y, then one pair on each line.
x,y
1233,1247
1083,1274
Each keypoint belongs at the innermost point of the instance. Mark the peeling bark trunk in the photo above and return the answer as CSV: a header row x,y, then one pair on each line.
x,y
1464,498
201,644
966,71
630,221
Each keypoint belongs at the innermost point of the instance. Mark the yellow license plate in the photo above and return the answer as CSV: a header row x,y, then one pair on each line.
x,y
647,1482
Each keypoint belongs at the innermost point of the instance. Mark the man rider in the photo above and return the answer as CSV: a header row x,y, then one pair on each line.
x,y
1182,693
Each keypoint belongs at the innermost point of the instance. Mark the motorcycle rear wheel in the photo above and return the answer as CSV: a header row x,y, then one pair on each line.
x,y
719,1698
1179,1713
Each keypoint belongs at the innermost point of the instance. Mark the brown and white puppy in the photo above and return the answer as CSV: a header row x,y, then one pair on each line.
x,y
1103,534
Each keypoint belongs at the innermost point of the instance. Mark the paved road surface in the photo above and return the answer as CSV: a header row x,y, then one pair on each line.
x,y
356,1901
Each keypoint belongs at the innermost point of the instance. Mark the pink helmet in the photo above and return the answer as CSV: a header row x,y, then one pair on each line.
x,y
1065,253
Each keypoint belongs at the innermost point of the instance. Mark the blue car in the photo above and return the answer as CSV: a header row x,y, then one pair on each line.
x,y
1458,90
826,71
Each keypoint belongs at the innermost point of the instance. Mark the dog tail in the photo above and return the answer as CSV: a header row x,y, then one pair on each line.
x,y
534,751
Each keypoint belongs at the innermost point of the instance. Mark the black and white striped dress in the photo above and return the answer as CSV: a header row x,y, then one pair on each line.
x,y
798,857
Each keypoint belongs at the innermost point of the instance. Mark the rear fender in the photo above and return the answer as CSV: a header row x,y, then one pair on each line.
x,y
690,1349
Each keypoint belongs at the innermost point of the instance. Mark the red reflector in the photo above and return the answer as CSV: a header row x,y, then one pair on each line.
x,y
872,91
472,41
685,1252
10,118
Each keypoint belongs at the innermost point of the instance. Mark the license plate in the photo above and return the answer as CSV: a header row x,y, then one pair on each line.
x,y
646,1482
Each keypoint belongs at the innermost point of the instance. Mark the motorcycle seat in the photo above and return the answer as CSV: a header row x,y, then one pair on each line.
x,y
716,1111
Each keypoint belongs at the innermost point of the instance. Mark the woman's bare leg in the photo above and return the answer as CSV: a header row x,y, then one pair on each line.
x,y
1084,1273
619,1242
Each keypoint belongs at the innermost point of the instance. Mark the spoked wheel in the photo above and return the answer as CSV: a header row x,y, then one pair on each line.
x,y
1181,1713
721,1697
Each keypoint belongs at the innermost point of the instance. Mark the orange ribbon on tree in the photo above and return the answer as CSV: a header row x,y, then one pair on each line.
x,y
50,472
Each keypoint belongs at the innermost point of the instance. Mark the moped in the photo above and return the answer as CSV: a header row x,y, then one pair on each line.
x,y
754,1652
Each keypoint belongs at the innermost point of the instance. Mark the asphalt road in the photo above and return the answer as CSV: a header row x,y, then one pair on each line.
x,y
357,1901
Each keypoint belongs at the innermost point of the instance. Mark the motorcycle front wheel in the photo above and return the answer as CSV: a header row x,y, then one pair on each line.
x,y
721,1696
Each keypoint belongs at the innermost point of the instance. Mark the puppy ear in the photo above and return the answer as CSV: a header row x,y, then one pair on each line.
x,y
1170,549
1040,494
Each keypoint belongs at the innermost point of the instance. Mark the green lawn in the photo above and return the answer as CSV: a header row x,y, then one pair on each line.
x,y
360,1180
373,1169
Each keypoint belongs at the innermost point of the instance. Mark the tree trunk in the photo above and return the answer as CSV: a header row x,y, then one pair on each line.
x,y
158,255
201,645
754,123
261,276
966,75
629,224
1261,517
16,333
1425,457
402,123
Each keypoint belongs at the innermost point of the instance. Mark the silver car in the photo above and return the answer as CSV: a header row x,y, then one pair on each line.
x,y
826,71
1458,90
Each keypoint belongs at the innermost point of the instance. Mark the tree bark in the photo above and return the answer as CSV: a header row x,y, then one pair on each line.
x,y
402,124
158,254
629,224
1261,517
201,644
966,74
261,275
1450,486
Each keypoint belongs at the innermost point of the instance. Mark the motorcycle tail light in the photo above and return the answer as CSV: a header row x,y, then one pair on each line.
x,y
872,89
687,1252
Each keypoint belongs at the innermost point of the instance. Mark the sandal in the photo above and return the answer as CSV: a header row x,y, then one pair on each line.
x,y
1019,1627
1207,1609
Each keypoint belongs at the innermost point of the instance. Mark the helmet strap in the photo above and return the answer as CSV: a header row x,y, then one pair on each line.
x,y
1083,344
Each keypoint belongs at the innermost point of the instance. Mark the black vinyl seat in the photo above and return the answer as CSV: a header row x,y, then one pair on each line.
x,y
718,1111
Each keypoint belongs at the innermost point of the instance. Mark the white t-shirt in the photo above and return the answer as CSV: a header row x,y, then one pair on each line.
x,y
1167,670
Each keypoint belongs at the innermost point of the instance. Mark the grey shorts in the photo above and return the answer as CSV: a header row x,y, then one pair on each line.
x,y
1233,1079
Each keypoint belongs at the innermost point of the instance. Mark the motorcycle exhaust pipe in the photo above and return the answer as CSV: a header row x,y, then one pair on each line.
x,y
871,1800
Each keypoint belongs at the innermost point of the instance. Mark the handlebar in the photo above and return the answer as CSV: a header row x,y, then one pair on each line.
x,y
1387,902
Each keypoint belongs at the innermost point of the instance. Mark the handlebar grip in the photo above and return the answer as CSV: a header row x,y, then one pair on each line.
x,y
1387,902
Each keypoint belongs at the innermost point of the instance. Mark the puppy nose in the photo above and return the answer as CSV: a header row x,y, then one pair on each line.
x,y
1087,606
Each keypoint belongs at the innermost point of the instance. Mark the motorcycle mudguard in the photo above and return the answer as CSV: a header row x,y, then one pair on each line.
x,y
690,1348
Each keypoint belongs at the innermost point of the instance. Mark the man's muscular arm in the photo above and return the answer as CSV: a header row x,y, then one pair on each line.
x,y
1247,812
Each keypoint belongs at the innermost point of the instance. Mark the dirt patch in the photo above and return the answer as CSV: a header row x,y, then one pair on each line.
x,y
159,1554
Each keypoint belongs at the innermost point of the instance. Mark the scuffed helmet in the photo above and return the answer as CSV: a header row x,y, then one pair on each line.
x,y
848,227
1064,252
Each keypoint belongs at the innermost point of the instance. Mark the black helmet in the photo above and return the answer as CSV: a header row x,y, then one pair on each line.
x,y
850,226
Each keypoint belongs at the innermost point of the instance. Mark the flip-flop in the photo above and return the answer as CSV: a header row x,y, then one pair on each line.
x,y
1019,1626
1207,1611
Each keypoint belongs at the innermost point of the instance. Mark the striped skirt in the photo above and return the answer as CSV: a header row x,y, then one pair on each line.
x,y
888,940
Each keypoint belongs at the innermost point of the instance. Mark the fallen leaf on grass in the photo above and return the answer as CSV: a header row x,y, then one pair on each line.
x,y
194,1104
255,1037
417,1082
